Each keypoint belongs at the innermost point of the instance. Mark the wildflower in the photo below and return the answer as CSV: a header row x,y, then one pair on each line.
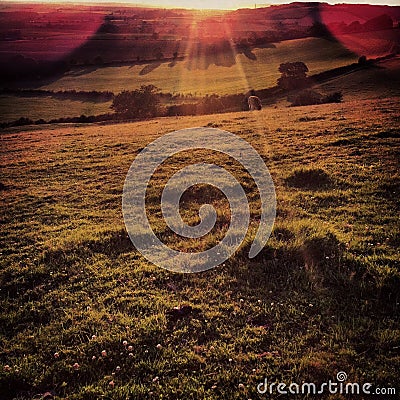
x,y
125,343
241,386
94,357
118,368
159,346
76,366
104,353
156,379
93,337
130,354
56,355
111,383
7,368
130,348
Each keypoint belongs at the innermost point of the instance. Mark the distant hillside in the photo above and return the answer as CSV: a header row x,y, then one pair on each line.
x,y
377,81
200,75
324,12
82,35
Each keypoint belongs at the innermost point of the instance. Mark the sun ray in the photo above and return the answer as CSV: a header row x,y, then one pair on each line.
x,y
204,55
242,74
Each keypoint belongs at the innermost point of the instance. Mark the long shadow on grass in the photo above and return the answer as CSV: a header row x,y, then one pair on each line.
x,y
149,68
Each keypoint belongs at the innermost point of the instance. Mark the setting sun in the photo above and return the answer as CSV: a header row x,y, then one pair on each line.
x,y
204,4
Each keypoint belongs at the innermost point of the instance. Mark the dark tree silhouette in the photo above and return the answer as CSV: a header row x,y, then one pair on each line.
x,y
139,103
293,75
362,60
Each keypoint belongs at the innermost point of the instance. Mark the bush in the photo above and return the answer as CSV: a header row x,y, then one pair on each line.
x,y
321,247
210,105
22,121
182,109
309,178
335,97
311,97
139,103
305,98
362,60
293,75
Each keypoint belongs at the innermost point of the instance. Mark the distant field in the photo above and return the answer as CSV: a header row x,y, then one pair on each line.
x,y
380,81
14,107
258,70
322,297
373,43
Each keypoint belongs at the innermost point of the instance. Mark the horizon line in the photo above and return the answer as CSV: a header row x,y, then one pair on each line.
x,y
169,4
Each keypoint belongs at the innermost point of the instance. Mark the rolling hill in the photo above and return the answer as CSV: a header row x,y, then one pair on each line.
x,y
85,316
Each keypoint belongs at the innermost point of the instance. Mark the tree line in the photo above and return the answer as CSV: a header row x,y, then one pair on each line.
x,y
149,102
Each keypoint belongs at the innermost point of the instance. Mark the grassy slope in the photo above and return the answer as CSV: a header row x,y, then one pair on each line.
x,y
318,54
379,81
323,297
14,107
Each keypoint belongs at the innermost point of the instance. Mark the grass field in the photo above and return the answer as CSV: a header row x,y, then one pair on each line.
x,y
14,107
380,81
322,297
257,72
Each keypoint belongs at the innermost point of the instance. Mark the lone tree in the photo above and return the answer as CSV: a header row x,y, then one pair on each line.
x,y
139,103
293,75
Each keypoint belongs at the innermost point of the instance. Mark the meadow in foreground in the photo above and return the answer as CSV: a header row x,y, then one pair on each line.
x,y
84,316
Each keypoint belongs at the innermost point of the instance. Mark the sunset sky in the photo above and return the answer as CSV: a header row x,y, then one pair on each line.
x,y
209,4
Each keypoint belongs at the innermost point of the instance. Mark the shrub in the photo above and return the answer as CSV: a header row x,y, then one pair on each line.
x,y
22,121
305,98
362,60
335,97
311,97
309,178
321,247
139,103
210,105
293,75
181,109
